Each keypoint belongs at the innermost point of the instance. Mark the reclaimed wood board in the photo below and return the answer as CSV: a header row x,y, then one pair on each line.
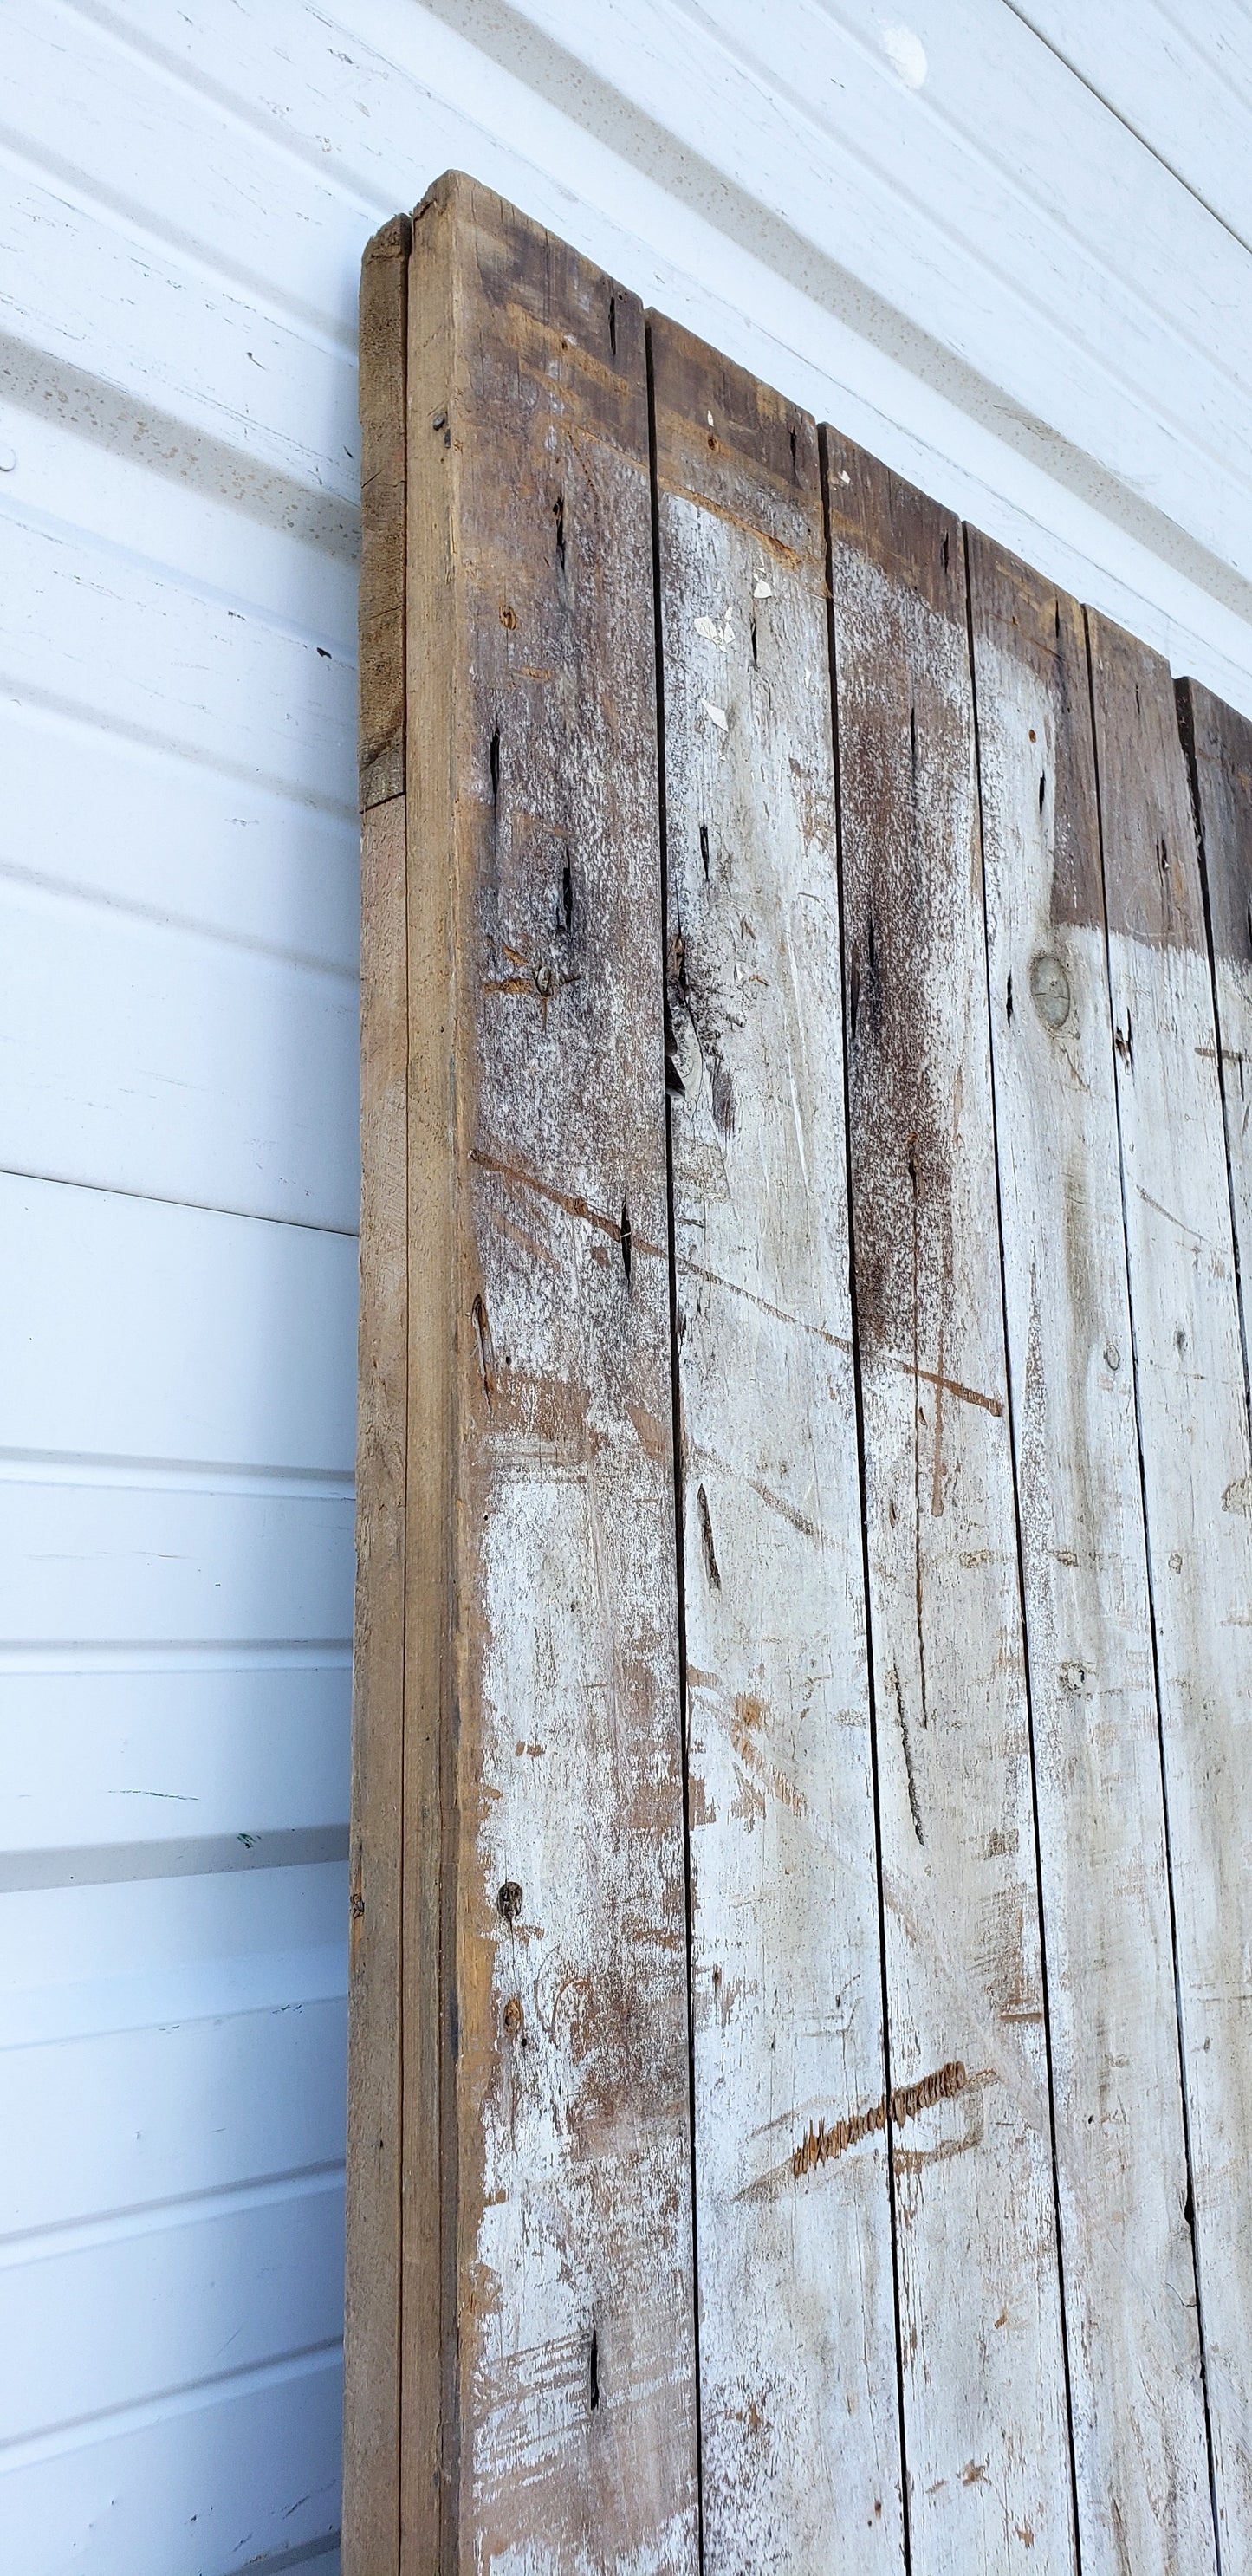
x,y
1194,1435
546,2224
797,2330
985,2429
1140,2451
799,2076
375,2029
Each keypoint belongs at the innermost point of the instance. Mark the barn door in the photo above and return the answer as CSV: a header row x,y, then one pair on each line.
x,y
800,2069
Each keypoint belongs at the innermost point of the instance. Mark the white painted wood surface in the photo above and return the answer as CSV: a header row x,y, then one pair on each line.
x,y
1137,2396
1197,1472
183,199
799,2412
986,2437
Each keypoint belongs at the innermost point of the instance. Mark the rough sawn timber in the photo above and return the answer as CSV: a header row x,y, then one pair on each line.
x,y
1193,1428
1137,2391
797,2317
547,2402
985,2431
371,2525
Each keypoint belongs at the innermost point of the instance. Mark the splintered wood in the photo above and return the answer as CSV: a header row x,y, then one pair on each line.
x,y
800,2086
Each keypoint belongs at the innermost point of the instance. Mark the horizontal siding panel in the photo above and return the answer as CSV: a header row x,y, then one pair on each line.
x,y
95,1758
200,2295
1184,85
112,1564
72,462
82,1961
243,205
139,1058
1084,285
138,826
206,2483
88,287
105,634
177,2109
135,1329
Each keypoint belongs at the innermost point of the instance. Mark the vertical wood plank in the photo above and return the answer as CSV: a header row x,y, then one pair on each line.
x,y
383,364
372,2270
797,2331
985,2418
1194,1436
542,1624
1137,2390
1218,743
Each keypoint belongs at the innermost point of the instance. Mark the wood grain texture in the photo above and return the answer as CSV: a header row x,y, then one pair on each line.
x,y
986,2439
548,2250
372,2272
1193,1430
384,360
1218,742
797,2334
1137,2392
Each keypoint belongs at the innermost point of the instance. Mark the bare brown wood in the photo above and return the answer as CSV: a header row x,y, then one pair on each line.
x,y
985,2422
384,291
1137,2390
372,2277
547,2211
797,2336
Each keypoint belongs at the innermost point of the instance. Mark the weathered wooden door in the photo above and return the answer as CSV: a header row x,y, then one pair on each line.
x,y
801,2081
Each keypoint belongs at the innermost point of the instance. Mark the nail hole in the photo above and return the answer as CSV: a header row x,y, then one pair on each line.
x,y
513,2016
509,1900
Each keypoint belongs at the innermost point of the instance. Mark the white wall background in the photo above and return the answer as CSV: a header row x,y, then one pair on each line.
x,y
1005,243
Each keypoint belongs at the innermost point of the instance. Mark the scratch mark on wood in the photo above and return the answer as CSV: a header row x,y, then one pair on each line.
x,y
908,1754
706,1534
821,2144
483,1333
618,1227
